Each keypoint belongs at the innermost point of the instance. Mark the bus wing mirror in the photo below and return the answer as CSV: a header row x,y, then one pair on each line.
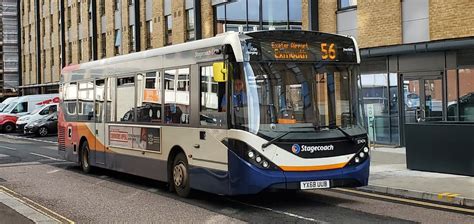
x,y
220,72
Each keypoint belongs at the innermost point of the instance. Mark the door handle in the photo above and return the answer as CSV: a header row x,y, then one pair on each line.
x,y
197,146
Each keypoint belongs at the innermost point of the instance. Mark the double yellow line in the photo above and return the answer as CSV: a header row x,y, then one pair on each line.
x,y
37,207
410,201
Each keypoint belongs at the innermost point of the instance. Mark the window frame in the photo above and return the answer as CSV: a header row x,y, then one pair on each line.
x,y
226,93
340,8
176,68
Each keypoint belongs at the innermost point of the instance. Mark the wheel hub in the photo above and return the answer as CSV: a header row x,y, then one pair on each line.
x,y
179,174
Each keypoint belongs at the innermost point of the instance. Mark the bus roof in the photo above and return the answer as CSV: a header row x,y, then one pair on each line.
x,y
141,60
231,38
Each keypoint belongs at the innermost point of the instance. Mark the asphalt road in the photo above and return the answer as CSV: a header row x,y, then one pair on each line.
x,y
34,169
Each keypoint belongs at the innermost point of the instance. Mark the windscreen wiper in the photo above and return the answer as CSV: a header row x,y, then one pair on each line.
x,y
264,145
347,135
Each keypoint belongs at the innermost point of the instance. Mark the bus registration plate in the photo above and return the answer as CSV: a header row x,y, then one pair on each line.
x,y
314,184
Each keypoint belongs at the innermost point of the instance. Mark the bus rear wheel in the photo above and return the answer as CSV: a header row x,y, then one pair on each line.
x,y
181,175
85,164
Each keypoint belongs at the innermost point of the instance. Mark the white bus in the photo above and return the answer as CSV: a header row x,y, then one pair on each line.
x,y
238,113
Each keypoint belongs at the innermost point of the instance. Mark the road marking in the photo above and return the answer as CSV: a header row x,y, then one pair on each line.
x,y
24,210
6,147
19,164
449,196
30,139
410,201
47,157
43,210
3,155
280,212
52,171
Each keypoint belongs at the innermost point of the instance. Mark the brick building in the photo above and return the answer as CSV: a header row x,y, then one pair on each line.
x,y
416,54
9,76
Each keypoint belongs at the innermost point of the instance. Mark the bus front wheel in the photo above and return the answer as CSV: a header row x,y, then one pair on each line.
x,y
85,164
181,175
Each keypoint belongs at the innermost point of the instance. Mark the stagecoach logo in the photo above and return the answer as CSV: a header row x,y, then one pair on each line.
x,y
295,148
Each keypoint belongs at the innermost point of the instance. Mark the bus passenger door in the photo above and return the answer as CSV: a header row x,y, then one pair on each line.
x,y
99,111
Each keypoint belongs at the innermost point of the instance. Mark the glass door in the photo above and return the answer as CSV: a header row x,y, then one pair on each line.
x,y
422,98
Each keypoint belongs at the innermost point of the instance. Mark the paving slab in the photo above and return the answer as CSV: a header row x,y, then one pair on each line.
x,y
389,175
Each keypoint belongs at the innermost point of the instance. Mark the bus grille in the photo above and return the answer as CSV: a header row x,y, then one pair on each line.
x,y
61,139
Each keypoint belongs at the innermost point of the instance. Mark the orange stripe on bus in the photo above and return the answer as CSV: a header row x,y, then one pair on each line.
x,y
313,168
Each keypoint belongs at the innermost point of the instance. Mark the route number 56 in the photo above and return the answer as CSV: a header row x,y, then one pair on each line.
x,y
328,52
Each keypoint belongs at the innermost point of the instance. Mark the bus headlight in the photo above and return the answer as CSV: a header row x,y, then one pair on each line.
x,y
251,154
360,156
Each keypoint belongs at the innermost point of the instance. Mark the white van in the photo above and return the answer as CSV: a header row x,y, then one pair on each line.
x,y
26,104
36,115
6,102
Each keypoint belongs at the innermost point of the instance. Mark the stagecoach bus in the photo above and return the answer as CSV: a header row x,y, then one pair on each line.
x,y
238,113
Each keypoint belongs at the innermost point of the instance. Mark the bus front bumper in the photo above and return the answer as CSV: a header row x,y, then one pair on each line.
x,y
248,179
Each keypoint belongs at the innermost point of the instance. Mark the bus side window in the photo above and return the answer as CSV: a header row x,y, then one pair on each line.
x,y
86,101
213,99
149,99
177,107
125,99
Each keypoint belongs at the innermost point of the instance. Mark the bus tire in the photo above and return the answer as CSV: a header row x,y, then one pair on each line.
x,y
85,162
180,175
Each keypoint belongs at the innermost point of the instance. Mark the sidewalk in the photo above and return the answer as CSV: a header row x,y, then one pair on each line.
x,y
389,175
13,210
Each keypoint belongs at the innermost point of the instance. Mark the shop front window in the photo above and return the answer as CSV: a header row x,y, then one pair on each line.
x,y
466,95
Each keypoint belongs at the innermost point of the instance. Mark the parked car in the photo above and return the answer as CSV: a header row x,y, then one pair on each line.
x,y
44,126
22,106
37,114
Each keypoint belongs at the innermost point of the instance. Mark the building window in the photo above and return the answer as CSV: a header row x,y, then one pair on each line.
x,y
51,57
79,51
79,12
103,41
169,29
90,9
246,15
116,5
344,4
90,48
148,32
168,22
190,34
69,53
118,41
132,38
102,8
44,58
68,17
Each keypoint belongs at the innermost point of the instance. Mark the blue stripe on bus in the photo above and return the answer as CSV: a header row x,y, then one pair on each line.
x,y
248,179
